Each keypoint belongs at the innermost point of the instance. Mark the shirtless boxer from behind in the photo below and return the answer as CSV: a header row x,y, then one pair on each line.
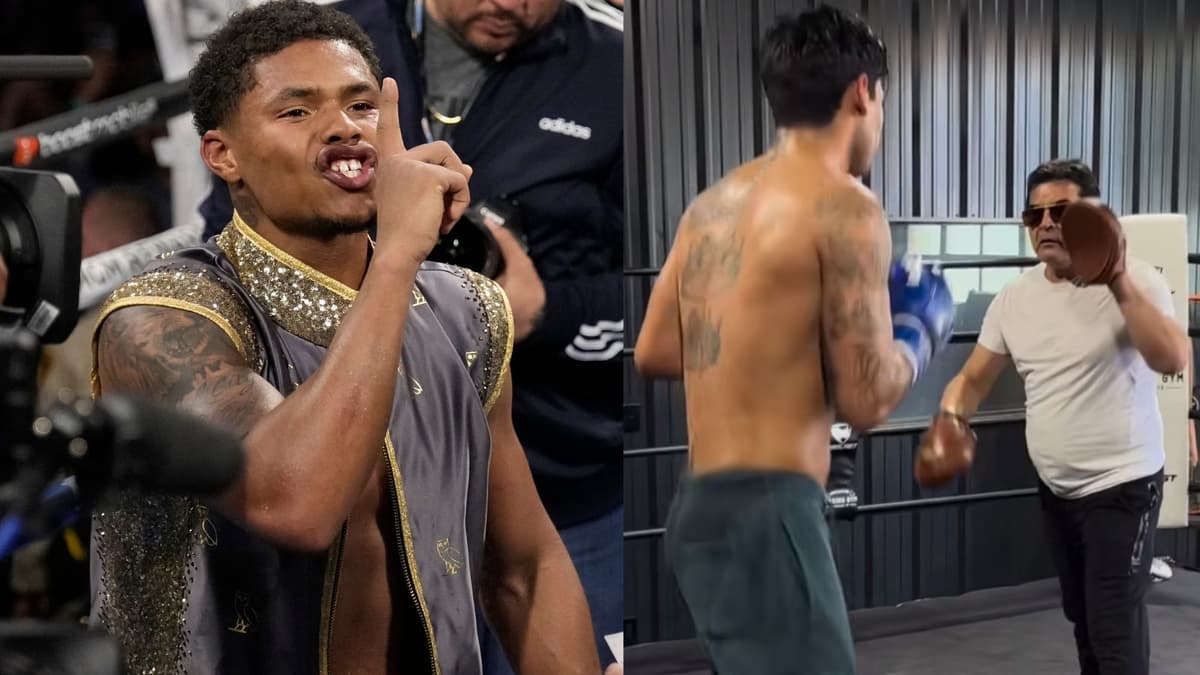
x,y
773,307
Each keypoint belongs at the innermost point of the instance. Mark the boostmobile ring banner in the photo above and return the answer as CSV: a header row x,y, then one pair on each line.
x,y
29,146
1161,240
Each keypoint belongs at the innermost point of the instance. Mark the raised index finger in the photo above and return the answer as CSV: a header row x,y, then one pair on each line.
x,y
388,138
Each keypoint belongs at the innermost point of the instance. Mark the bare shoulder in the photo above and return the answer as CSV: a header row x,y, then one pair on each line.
x,y
181,358
850,223
849,208
715,207
720,203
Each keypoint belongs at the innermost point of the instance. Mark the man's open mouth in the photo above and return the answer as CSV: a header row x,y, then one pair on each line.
x,y
350,167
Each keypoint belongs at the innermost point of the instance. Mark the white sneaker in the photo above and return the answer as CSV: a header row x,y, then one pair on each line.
x,y
1160,570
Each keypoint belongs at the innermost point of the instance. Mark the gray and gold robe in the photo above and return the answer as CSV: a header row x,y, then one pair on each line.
x,y
186,590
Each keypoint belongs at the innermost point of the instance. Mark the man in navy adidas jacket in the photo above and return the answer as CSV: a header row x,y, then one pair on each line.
x,y
529,93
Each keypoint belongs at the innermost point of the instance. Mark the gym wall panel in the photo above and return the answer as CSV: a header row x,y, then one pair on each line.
x,y
939,88
987,109
891,174
1119,102
1159,96
979,92
1076,54
1189,131
1032,93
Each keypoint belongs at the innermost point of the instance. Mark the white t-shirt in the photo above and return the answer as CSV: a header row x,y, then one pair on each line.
x,y
1091,406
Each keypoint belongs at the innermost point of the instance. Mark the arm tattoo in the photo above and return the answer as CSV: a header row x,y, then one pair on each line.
x,y
854,265
179,358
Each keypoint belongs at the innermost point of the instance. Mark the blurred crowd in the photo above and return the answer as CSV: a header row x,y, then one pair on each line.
x,y
117,37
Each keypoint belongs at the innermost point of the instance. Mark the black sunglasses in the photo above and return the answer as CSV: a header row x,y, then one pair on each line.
x,y
1032,216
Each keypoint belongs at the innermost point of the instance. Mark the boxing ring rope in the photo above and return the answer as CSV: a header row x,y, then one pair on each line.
x,y
45,67
983,419
100,274
955,338
852,510
886,507
988,263
980,262
960,337
35,145
646,534
32,145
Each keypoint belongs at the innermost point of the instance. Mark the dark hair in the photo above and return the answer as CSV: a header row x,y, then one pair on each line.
x,y
1073,170
808,60
225,71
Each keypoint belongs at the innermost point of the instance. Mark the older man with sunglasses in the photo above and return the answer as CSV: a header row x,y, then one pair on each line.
x,y
1089,356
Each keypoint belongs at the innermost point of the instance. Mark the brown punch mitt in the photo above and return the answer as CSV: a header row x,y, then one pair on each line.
x,y
947,450
1094,239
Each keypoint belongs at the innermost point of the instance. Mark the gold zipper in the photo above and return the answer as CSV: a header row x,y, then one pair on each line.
x,y
404,542
333,576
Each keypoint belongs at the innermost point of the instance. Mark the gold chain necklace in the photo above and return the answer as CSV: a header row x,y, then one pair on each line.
x,y
448,120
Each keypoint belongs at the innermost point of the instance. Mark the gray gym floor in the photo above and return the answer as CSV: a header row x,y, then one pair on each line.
x,y
1006,631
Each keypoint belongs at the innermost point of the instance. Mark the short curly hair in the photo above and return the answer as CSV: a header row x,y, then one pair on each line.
x,y
224,73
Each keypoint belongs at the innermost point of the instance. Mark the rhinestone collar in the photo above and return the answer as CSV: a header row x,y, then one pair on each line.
x,y
299,298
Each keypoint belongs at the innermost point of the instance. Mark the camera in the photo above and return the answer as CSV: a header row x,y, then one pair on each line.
x,y
470,242
40,236
40,241
115,442
40,245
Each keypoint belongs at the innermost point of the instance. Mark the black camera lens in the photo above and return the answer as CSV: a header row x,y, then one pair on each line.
x,y
466,245
40,241
18,248
472,245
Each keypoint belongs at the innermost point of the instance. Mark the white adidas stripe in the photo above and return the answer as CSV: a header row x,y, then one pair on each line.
x,y
601,12
579,355
256,3
604,7
602,326
601,342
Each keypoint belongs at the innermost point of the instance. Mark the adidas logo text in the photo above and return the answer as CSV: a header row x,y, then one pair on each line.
x,y
561,126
